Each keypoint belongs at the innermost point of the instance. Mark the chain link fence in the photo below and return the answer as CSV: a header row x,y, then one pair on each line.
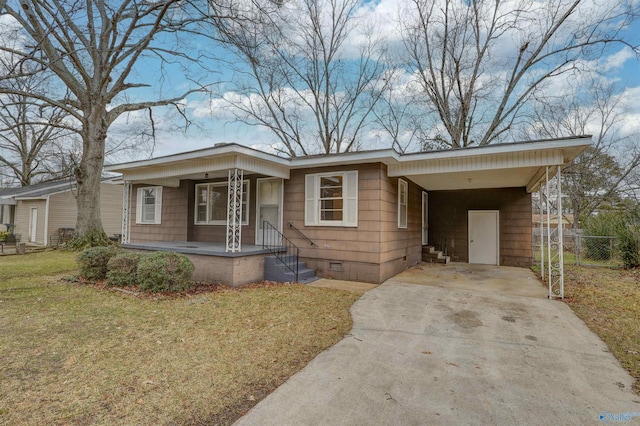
x,y
587,250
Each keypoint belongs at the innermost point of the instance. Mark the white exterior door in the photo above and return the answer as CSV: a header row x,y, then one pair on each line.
x,y
33,225
484,238
268,208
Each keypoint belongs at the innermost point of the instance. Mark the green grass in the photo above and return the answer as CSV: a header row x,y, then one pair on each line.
x,y
75,354
608,301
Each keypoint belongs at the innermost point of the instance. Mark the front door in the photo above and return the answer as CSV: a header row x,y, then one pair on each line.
x,y
483,237
33,225
268,202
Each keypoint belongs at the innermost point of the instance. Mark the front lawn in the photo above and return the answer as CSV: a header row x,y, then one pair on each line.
x,y
608,301
75,354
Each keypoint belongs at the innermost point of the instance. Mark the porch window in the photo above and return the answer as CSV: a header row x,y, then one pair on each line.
x,y
403,197
149,205
331,199
211,203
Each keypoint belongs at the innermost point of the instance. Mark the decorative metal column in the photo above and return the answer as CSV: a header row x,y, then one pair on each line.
x,y
126,203
234,211
555,257
541,233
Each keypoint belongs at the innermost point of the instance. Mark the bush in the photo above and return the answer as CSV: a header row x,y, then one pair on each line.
x,y
165,271
602,225
629,244
122,269
93,262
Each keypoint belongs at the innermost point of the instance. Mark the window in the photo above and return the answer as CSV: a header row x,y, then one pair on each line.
x,y
331,199
403,197
211,203
149,205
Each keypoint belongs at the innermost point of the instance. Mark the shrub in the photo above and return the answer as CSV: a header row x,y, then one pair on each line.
x,y
122,269
629,244
165,271
602,225
93,262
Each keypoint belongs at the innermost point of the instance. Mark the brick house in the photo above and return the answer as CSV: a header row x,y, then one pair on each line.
x,y
363,216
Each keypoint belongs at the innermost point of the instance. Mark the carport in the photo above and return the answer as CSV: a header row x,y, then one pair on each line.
x,y
477,206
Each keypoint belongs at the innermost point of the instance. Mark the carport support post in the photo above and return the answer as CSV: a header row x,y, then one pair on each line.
x,y
541,234
555,246
560,278
234,211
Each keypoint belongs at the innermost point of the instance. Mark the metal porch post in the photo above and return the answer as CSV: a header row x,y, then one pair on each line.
x,y
554,240
559,284
541,236
126,208
234,211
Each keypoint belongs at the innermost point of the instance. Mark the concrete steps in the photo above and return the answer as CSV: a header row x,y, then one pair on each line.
x,y
275,270
431,255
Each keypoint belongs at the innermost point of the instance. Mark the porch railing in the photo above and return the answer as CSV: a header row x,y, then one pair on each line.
x,y
281,247
292,226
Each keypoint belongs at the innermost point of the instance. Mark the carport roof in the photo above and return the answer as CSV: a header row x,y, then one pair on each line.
x,y
520,164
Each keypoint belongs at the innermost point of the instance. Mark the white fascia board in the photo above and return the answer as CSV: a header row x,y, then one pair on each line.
x,y
201,154
386,156
8,201
485,162
568,146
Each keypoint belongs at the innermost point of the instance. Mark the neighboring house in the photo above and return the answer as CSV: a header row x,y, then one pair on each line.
x,y
361,216
38,211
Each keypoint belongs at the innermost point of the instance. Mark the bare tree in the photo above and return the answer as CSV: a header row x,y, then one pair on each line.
x,y
33,134
296,75
479,62
93,47
603,175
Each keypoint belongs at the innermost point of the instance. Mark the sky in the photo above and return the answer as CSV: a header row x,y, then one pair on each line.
x,y
215,122
212,121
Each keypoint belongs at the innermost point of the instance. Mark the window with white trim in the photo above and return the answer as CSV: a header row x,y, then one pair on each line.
x,y
331,199
403,201
211,203
149,205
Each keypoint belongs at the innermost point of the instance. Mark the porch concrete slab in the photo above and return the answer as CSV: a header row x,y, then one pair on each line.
x,y
354,286
457,354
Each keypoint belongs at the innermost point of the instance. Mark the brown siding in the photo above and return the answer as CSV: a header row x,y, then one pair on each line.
x,y
448,212
111,208
373,251
217,233
175,207
178,217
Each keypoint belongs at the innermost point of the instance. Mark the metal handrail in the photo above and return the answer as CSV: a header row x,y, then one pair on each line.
x,y
281,247
291,225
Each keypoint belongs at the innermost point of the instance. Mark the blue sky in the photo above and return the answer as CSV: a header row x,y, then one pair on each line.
x,y
618,64
215,125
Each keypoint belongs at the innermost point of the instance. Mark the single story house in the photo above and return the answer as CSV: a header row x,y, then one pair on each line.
x,y
37,212
361,216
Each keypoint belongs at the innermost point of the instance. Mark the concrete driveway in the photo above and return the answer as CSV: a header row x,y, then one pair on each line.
x,y
457,344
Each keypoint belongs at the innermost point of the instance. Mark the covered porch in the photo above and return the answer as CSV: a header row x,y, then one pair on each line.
x,y
212,262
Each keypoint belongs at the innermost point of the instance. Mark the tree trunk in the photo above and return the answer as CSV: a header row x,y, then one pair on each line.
x,y
88,176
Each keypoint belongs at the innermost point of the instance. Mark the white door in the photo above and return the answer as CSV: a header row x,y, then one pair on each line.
x,y
33,224
425,218
483,237
268,202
